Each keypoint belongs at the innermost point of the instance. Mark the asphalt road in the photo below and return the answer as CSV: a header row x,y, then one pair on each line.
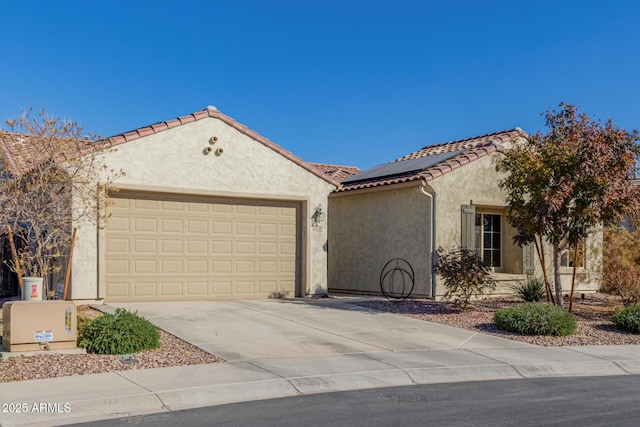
x,y
587,401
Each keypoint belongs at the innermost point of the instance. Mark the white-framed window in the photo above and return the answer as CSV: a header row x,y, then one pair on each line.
x,y
570,257
488,237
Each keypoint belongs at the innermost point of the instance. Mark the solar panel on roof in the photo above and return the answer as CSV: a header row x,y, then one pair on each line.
x,y
405,166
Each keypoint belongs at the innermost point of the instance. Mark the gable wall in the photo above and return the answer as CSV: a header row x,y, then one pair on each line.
x,y
477,182
367,230
173,161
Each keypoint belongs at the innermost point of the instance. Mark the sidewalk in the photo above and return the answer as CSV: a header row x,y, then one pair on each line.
x,y
85,398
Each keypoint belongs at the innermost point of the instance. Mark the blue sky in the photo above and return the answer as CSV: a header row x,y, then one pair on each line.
x,y
348,82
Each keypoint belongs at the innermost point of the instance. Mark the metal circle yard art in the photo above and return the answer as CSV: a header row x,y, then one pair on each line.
x,y
397,279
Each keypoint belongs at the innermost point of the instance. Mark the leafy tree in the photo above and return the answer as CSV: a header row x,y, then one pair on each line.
x,y
563,184
49,180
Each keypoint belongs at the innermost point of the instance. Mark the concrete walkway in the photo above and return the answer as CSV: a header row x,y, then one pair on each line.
x,y
276,357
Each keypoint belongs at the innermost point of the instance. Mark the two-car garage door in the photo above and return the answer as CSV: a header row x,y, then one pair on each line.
x,y
171,248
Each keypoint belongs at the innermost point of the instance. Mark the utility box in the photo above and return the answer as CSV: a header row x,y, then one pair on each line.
x,y
39,325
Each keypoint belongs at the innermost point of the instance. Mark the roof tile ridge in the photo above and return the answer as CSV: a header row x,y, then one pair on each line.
x,y
8,157
473,138
332,165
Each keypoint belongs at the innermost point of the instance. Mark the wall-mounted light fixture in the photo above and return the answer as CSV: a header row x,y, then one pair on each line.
x,y
318,216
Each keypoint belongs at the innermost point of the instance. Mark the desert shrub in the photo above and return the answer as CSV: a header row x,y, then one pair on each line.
x,y
120,333
621,264
531,290
535,319
465,275
627,319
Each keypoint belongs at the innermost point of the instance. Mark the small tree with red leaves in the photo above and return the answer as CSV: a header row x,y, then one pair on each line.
x,y
564,184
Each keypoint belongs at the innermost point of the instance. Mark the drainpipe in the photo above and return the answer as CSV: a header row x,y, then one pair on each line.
x,y
431,238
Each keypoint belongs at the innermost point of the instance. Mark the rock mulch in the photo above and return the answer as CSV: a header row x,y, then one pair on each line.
x,y
172,352
593,318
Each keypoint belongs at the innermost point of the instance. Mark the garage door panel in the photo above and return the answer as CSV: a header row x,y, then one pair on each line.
x,y
245,248
145,266
224,267
268,211
168,205
197,247
267,267
118,266
268,248
267,286
287,267
245,228
244,267
245,287
146,246
171,267
287,248
198,226
142,204
268,229
222,227
172,246
172,225
197,207
172,289
118,290
223,247
175,249
145,225
144,289
118,245
287,230
222,208
245,210
198,289
197,266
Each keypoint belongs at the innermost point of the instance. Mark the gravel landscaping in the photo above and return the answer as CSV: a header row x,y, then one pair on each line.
x,y
172,352
593,317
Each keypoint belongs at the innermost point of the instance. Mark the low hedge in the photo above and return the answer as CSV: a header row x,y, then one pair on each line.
x,y
123,332
627,319
535,319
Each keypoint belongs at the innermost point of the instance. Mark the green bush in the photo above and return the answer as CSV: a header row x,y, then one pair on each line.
x,y
465,275
535,319
627,319
120,333
530,290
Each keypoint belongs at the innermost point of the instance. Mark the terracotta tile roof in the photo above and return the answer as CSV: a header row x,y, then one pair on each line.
x,y
14,148
19,155
472,149
337,172
214,113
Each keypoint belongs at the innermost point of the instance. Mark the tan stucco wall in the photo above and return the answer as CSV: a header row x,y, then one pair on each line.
x,y
174,161
368,227
367,230
476,183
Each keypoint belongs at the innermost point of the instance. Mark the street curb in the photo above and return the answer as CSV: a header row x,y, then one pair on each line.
x,y
147,401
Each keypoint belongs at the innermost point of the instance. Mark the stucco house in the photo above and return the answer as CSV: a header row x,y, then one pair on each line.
x,y
441,196
208,209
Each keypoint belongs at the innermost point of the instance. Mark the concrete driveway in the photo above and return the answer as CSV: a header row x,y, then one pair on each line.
x,y
268,329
